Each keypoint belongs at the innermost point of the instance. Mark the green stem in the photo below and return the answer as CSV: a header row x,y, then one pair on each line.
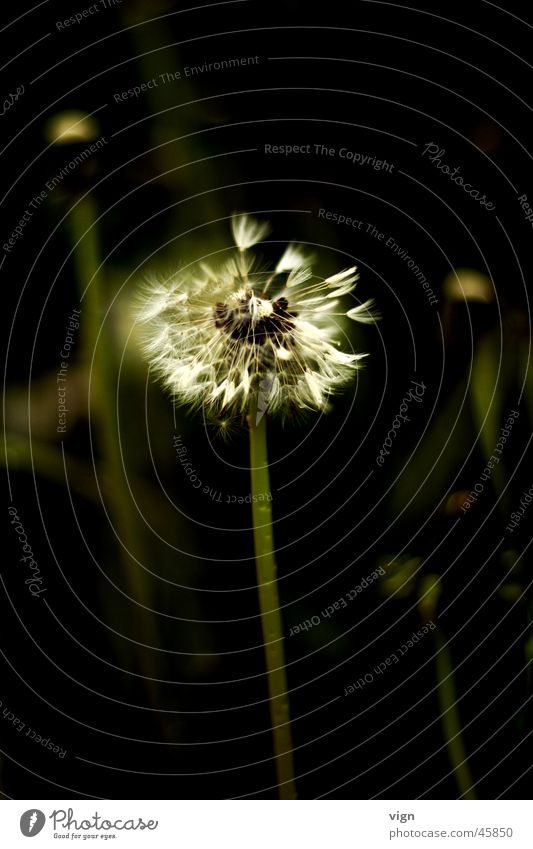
x,y
48,462
86,258
451,722
98,348
270,609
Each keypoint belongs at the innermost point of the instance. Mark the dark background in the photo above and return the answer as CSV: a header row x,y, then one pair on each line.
x,y
186,716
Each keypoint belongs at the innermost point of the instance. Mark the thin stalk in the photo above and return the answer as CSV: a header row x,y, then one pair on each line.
x,y
98,347
450,719
270,608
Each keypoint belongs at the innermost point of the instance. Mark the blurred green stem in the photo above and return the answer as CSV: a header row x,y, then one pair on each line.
x,y
270,607
98,355
48,462
451,722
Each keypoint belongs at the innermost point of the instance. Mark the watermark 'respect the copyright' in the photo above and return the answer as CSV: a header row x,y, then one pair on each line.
x,y
62,373
518,514
354,157
212,493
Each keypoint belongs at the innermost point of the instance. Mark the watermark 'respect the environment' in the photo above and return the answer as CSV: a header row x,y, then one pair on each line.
x,y
188,71
368,228
51,184
401,253
88,12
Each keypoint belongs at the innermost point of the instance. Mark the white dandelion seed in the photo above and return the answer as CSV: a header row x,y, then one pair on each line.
x,y
218,336
248,232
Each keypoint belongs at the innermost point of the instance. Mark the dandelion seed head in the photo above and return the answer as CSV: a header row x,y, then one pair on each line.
x,y
220,337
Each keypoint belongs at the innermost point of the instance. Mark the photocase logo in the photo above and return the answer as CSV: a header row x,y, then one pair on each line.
x,y
32,822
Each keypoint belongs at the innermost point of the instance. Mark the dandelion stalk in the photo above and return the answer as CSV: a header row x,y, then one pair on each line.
x,y
270,607
212,335
450,719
